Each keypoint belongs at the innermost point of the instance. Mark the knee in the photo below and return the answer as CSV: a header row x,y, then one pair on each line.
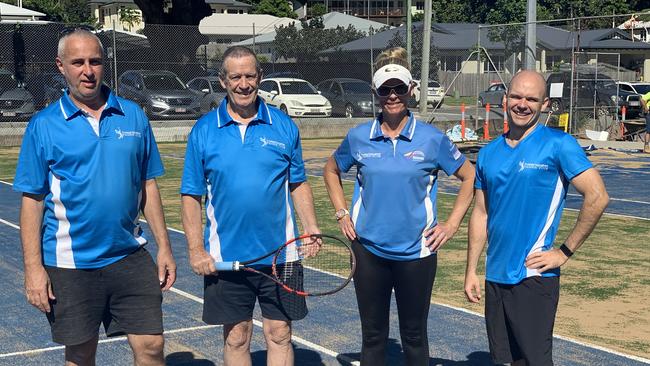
x,y
149,348
413,336
279,334
238,336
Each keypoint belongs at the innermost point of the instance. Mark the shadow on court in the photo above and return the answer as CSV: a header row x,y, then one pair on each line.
x,y
302,357
186,359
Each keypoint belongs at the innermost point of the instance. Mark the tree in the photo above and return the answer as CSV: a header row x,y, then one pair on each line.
x,y
130,17
317,10
278,8
304,44
63,11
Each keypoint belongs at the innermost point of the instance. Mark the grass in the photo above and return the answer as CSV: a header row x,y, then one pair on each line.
x,y
453,101
603,286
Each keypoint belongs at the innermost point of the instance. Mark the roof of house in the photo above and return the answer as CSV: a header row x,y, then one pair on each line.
x,y
236,3
464,36
241,24
8,10
330,20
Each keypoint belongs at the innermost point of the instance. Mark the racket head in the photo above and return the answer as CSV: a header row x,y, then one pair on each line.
x,y
314,265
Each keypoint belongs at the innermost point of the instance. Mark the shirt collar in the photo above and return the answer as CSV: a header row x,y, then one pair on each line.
x,y
71,110
224,118
407,132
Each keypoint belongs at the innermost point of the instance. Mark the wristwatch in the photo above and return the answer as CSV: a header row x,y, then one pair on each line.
x,y
341,214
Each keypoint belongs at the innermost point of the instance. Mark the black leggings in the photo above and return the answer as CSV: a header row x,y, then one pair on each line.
x,y
374,279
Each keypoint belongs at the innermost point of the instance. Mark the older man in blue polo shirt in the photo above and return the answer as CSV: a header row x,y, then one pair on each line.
x,y
86,168
247,158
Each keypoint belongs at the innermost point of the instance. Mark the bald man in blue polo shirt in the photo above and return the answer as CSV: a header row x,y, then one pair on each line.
x,y
87,167
246,158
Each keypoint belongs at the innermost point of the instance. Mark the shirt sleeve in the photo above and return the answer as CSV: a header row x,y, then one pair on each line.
x,y
32,169
449,157
479,180
572,158
193,180
153,165
297,166
343,155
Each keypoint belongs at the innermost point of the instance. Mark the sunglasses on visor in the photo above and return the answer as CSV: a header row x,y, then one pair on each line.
x,y
399,90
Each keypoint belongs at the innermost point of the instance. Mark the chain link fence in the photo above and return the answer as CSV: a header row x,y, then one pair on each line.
x,y
172,72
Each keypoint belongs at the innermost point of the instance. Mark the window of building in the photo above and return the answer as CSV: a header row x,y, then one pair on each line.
x,y
451,63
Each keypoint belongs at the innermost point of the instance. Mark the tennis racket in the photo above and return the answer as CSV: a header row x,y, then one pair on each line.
x,y
309,265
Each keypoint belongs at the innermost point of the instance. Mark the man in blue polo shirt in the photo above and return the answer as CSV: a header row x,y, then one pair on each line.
x,y
522,179
246,158
86,168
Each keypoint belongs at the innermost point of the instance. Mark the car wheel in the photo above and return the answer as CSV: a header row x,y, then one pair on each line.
x,y
481,102
349,111
283,108
556,106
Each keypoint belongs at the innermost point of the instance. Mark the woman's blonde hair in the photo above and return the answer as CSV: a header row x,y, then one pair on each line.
x,y
394,55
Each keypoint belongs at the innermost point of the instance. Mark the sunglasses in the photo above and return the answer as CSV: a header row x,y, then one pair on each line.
x,y
67,30
399,90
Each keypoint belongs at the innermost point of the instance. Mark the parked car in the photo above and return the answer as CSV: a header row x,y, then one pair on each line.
x,y
435,93
639,88
597,91
284,74
209,89
159,93
349,97
493,95
46,88
295,97
15,100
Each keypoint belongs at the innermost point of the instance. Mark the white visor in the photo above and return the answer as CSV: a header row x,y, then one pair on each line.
x,y
391,71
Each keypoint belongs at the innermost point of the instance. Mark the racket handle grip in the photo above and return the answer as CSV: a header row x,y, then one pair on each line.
x,y
226,266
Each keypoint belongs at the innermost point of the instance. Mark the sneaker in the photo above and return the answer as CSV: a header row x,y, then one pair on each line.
x,y
646,149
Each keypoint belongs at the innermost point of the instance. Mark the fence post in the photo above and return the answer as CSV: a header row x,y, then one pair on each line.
x,y
486,123
505,120
462,121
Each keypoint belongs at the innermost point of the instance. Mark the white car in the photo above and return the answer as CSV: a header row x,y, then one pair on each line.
x,y
435,94
295,97
635,87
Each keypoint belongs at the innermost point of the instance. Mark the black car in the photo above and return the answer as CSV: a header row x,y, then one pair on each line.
x,y
349,97
46,88
160,93
592,90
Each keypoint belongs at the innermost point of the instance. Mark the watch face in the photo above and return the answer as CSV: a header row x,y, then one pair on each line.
x,y
340,213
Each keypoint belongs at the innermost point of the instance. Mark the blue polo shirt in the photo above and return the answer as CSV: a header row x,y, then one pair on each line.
x,y
525,188
249,210
92,184
395,191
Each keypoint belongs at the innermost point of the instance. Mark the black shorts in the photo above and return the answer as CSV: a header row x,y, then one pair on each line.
x,y
647,122
520,318
125,296
229,298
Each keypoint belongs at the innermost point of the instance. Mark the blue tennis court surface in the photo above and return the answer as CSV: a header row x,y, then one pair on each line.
x,y
330,335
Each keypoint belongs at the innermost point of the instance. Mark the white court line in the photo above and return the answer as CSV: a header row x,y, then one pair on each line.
x,y
353,362
102,341
10,224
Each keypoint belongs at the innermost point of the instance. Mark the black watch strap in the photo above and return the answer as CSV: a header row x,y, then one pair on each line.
x,y
566,250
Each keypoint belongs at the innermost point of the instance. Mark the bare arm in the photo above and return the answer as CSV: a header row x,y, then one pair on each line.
x,y
303,201
441,233
477,237
590,185
332,177
38,288
201,261
153,212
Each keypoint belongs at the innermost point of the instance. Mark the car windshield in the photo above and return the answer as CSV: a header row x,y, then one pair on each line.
x,y
216,87
7,82
606,84
297,87
356,88
642,88
162,82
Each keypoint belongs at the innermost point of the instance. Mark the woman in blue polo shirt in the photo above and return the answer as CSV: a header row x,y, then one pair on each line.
x,y
392,221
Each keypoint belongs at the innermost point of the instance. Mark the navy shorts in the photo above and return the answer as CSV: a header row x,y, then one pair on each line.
x,y
229,298
125,296
647,122
519,320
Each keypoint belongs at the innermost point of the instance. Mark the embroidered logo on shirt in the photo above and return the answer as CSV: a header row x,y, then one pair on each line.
x,y
269,142
360,155
455,152
415,155
524,165
122,134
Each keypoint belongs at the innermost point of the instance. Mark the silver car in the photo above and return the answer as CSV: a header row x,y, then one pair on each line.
x,y
493,95
209,89
15,101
